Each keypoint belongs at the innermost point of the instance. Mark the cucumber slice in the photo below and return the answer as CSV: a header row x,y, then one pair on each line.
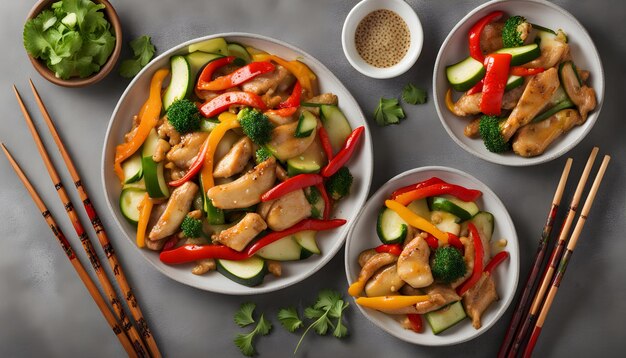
x,y
567,103
217,45
181,81
132,169
285,249
197,60
336,125
521,55
310,161
446,222
306,239
484,223
465,74
130,199
391,229
513,82
153,171
420,207
249,272
140,184
465,210
306,124
311,104
446,317
207,125
540,28
546,36
237,50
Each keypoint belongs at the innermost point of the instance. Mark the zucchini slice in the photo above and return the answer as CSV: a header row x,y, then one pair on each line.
x,y
306,240
249,272
420,207
465,74
465,210
391,229
132,169
306,124
285,249
217,45
197,60
484,223
446,222
181,81
310,161
336,125
446,317
237,50
513,82
130,199
153,171
523,54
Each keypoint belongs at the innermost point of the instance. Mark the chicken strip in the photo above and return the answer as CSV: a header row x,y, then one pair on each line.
x,y
177,207
235,160
184,153
469,105
439,296
584,97
413,265
385,282
537,94
552,52
278,80
491,37
284,144
375,263
240,235
478,298
288,210
533,139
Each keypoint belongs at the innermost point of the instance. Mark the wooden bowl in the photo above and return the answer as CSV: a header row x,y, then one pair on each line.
x,y
42,68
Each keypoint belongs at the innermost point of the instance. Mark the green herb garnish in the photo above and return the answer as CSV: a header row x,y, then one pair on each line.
x,y
413,95
329,305
388,112
243,317
143,50
245,342
290,319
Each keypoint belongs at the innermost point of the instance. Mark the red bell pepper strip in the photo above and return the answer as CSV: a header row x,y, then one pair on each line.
x,y
327,203
221,103
406,189
294,98
475,32
495,261
190,253
432,242
344,154
454,241
439,189
416,322
306,224
209,69
477,88
195,167
478,262
523,71
237,77
300,181
498,65
283,112
394,249
328,148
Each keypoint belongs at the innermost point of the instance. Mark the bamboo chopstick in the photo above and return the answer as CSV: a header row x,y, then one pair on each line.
x,y
522,304
529,320
120,277
67,248
80,231
571,245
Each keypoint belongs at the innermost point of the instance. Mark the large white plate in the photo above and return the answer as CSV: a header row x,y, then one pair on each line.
x,y
540,12
363,236
330,242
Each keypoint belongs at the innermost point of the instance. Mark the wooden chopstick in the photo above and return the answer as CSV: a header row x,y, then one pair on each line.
x,y
67,248
531,316
84,238
524,301
571,245
120,277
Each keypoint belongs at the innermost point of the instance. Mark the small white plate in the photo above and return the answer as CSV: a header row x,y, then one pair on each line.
x,y
584,54
363,236
361,166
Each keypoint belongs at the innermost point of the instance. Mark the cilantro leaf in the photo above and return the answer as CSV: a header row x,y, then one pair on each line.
x,y
245,342
143,51
243,317
326,299
388,112
337,312
313,313
329,305
288,318
264,326
414,95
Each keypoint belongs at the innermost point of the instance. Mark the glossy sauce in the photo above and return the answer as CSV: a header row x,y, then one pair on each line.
x,y
382,38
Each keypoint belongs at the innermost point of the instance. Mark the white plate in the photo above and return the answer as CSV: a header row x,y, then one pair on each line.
x,y
540,12
363,236
330,241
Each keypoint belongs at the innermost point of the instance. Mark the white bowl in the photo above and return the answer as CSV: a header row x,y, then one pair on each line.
x,y
363,236
584,54
329,241
357,14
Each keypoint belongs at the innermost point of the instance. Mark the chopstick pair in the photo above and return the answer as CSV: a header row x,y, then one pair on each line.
x,y
535,315
138,345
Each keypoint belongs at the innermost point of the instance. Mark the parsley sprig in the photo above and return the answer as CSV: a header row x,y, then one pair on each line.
x,y
244,317
143,51
388,112
414,95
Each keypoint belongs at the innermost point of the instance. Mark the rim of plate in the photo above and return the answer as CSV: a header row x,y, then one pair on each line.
x,y
514,259
501,159
366,180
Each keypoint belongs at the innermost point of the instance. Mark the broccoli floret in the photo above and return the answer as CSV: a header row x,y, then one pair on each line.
x,y
489,129
184,116
262,154
515,31
191,227
255,125
448,264
338,185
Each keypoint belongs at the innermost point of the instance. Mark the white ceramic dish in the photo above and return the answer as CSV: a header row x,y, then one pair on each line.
x,y
363,236
330,242
357,14
454,49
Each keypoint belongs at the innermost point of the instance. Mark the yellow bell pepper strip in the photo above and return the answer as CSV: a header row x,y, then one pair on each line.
x,y
150,113
390,302
302,72
416,221
449,101
356,288
226,116
214,139
144,217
